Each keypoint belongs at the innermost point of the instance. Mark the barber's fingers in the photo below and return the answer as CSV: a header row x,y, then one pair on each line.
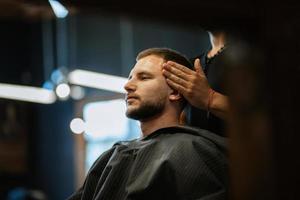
x,y
172,72
175,78
171,65
198,67
176,86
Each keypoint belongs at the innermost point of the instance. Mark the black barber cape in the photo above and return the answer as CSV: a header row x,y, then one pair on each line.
x,y
171,163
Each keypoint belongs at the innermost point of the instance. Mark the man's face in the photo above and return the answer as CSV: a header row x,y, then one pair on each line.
x,y
147,90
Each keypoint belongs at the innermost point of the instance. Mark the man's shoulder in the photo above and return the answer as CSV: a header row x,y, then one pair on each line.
x,y
187,133
190,146
191,142
124,142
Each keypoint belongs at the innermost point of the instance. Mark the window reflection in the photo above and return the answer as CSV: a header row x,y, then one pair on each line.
x,y
106,124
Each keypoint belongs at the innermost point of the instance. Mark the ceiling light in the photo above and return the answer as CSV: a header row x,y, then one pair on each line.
x,y
97,80
63,90
27,93
77,126
77,92
59,10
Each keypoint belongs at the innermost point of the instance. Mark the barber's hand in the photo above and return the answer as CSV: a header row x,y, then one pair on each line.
x,y
193,85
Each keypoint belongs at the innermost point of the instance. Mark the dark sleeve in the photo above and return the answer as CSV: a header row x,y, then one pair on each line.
x,y
87,190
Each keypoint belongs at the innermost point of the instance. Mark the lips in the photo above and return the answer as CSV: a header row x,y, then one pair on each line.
x,y
131,97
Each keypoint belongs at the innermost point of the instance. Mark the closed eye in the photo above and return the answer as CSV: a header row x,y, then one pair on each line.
x,y
144,76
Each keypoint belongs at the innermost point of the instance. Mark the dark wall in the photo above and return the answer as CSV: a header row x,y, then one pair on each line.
x,y
109,43
54,168
98,43
14,45
46,141
19,64
21,52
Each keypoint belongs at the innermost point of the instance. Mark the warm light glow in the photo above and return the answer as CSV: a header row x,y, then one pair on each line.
x,y
105,119
77,92
63,90
27,93
77,126
97,80
59,10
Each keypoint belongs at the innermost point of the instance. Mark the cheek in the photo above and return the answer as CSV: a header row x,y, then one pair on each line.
x,y
155,89
160,88
165,87
162,92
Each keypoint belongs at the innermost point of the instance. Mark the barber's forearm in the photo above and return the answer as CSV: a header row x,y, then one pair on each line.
x,y
219,105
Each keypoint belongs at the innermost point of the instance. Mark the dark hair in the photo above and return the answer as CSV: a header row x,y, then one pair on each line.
x,y
168,55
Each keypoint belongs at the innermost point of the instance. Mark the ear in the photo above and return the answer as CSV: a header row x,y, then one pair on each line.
x,y
175,96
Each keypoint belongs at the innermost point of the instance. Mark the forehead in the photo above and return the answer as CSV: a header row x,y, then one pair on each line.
x,y
150,64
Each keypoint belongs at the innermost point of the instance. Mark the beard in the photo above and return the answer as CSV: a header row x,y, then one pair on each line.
x,y
146,110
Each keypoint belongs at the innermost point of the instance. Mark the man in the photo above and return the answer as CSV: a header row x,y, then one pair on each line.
x,y
169,161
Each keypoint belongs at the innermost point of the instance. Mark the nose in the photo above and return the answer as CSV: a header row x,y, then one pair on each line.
x,y
130,86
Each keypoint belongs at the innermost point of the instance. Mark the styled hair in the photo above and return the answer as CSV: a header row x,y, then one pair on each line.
x,y
168,55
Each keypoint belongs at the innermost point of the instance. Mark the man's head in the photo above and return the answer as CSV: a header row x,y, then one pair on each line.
x,y
148,93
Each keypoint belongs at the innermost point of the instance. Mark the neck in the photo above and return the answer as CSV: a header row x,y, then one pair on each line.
x,y
217,42
163,120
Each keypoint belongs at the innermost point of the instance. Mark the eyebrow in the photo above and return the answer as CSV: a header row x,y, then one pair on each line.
x,y
139,74
144,73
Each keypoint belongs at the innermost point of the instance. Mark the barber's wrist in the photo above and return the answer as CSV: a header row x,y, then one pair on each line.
x,y
210,99
219,105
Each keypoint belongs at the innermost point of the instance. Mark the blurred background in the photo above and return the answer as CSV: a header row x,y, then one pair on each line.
x,y
63,64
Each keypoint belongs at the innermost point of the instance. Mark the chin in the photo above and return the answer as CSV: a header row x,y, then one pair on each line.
x,y
130,110
133,113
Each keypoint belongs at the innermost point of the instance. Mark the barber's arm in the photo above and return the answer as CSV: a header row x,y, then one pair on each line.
x,y
193,85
